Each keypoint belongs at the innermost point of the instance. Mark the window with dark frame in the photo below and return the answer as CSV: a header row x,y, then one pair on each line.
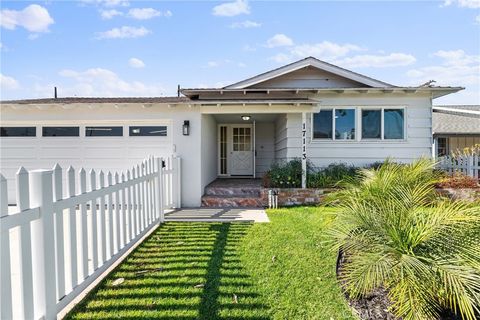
x,y
116,131
442,146
18,131
145,131
60,131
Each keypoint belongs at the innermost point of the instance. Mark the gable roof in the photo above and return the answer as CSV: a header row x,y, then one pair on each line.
x,y
308,62
456,120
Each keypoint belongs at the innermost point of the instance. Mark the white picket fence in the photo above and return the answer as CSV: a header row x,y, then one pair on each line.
x,y
468,165
67,240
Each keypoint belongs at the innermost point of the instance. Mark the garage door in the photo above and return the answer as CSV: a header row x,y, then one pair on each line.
x,y
99,146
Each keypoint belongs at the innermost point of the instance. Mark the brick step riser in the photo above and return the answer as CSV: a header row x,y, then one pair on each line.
x,y
232,192
232,202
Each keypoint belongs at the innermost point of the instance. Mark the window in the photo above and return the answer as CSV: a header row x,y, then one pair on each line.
x,y
103,131
322,125
18,131
148,131
442,147
393,124
343,124
241,139
60,131
223,150
371,124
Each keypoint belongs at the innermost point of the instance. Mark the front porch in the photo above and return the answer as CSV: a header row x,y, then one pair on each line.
x,y
234,192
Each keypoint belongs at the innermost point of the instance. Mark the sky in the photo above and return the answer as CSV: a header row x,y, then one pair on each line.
x,y
105,48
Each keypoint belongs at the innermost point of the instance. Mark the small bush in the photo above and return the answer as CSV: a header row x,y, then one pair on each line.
x,y
289,175
457,181
331,176
284,175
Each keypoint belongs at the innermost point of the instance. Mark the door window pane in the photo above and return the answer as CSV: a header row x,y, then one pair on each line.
x,y
393,125
18,131
104,131
60,131
322,124
371,124
144,131
344,124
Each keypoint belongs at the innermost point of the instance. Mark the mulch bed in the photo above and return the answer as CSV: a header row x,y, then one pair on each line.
x,y
375,306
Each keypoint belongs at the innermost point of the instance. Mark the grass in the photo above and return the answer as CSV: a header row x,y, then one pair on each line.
x,y
278,270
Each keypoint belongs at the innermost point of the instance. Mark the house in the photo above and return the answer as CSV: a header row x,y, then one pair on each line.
x,y
309,109
455,127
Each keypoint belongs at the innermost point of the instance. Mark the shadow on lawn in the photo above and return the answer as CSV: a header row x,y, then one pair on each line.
x,y
201,277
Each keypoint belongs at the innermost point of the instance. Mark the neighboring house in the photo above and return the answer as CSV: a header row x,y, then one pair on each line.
x,y
309,109
455,128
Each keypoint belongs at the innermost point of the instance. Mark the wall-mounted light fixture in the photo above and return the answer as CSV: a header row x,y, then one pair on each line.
x,y
245,118
186,127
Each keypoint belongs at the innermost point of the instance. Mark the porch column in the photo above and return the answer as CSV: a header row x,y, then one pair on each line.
x,y
304,150
435,148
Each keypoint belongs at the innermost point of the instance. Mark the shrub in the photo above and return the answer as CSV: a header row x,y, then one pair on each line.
x,y
331,176
457,181
284,175
425,253
289,175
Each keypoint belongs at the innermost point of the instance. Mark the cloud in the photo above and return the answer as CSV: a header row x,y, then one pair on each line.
x,y
377,61
456,69
279,40
108,3
136,63
144,13
472,4
109,14
123,32
231,9
281,58
8,83
325,50
245,24
34,18
104,82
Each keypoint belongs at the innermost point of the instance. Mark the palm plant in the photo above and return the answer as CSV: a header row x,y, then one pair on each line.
x,y
397,234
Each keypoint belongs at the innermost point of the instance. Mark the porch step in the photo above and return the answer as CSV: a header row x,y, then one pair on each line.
x,y
222,201
233,191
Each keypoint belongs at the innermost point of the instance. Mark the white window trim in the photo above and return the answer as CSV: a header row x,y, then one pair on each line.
x,y
358,124
334,108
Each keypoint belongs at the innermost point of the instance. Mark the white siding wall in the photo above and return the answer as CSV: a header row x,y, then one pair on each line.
x,y
418,142
104,152
265,147
209,149
281,138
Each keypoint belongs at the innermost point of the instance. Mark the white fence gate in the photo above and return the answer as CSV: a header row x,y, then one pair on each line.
x,y
57,243
468,165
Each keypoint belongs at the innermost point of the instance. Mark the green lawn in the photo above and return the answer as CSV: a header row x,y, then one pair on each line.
x,y
278,270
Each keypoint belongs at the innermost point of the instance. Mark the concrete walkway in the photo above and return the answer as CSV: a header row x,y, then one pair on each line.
x,y
218,215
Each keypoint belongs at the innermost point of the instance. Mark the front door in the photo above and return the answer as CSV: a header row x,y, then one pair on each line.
x,y
241,151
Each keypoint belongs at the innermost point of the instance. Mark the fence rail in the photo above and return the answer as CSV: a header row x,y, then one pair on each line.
x,y
62,239
468,165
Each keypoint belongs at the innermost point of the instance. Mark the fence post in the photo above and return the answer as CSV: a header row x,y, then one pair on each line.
x,y
43,234
470,166
160,190
5,272
23,203
178,182
59,234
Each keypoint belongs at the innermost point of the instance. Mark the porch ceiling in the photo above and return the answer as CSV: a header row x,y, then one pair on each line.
x,y
237,118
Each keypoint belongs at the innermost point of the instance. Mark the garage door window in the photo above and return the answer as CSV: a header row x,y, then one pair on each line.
x,y
60,131
103,131
137,131
18,131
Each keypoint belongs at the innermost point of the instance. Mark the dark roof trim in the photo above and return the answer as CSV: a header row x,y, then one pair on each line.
x,y
68,100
